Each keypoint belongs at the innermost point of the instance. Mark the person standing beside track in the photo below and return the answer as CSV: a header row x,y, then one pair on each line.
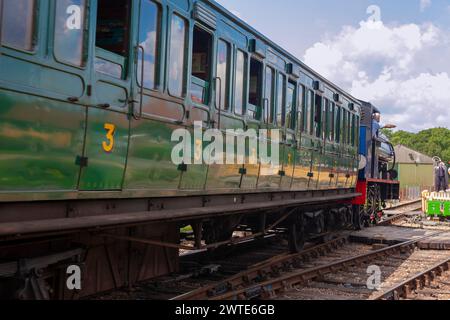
x,y
441,177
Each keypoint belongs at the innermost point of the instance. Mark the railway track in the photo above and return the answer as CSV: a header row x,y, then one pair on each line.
x,y
400,212
435,289
328,276
335,269
202,267
204,273
316,256
257,271
423,284
409,215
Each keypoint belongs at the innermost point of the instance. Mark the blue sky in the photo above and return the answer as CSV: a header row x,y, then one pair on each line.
x,y
401,63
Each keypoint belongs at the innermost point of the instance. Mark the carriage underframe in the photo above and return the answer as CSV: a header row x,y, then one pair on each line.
x,y
117,243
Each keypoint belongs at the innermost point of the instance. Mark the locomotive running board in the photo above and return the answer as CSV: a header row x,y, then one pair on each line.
x,y
28,229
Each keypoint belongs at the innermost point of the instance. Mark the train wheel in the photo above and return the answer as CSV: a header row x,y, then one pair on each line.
x,y
320,223
349,217
359,220
297,236
374,204
331,220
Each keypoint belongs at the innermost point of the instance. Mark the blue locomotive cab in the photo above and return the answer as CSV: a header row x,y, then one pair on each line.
x,y
377,180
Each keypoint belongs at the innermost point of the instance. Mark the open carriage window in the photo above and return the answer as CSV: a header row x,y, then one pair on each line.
x,y
18,23
112,36
113,26
256,69
201,61
318,116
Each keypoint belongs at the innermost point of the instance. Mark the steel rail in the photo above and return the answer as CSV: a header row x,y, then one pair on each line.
x,y
286,282
261,269
407,204
420,280
398,216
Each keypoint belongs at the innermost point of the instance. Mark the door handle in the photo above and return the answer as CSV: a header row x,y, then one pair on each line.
x,y
219,107
141,94
73,99
265,111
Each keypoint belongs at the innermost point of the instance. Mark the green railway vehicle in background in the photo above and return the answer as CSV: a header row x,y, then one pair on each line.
x,y
91,92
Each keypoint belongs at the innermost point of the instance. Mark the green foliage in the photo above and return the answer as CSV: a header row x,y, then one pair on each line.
x,y
432,142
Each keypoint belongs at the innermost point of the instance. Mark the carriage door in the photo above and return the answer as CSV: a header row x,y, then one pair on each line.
x,y
290,146
108,122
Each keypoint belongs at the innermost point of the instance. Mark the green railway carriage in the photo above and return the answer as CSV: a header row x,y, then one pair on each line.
x,y
90,94
67,90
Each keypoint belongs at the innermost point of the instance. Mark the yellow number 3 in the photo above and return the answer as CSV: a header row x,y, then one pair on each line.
x,y
109,146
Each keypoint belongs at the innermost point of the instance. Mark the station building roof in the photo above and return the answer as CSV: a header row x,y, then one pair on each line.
x,y
406,155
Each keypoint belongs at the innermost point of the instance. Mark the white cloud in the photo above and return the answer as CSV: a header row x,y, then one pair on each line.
x,y
402,69
424,4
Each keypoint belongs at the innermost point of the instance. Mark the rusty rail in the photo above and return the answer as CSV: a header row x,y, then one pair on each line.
x,y
404,289
260,271
269,288
398,216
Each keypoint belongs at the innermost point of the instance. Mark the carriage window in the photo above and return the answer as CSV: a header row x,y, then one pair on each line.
x,y
353,130
326,116
149,21
112,37
318,116
300,108
239,95
201,56
223,66
17,23
290,106
269,95
309,112
331,116
357,131
69,31
337,117
255,83
281,105
344,126
350,128
176,57
113,26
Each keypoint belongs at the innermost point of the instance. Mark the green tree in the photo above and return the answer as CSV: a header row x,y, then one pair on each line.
x,y
432,142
